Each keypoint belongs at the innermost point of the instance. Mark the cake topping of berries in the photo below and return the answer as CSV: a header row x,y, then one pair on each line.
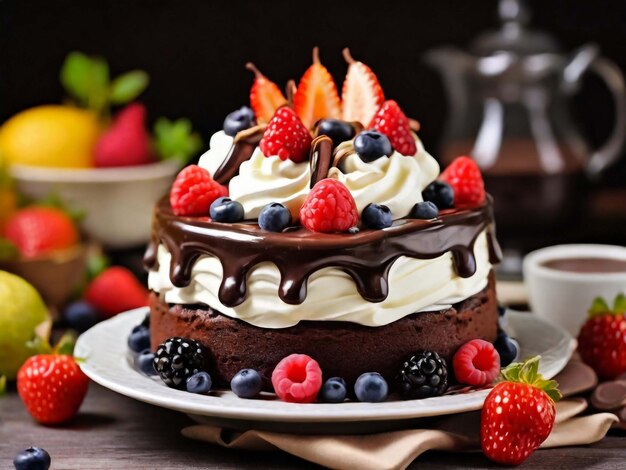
x,y
339,131
239,120
329,207
194,191
286,137
316,97
439,193
371,145
224,209
52,387
265,96
423,375
362,95
376,216
424,210
602,339
476,363
518,414
297,378
274,217
464,176
391,121
177,359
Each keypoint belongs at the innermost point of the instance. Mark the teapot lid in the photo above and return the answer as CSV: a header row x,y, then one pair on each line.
x,y
513,36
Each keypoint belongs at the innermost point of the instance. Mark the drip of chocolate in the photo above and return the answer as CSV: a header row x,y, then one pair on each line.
x,y
243,147
366,256
320,158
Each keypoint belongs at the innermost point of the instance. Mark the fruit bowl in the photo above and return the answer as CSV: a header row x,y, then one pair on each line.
x,y
117,202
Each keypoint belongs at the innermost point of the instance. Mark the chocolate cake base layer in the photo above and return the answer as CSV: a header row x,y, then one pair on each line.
x,y
342,349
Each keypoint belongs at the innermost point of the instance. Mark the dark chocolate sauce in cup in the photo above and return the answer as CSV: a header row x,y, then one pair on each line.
x,y
587,265
366,256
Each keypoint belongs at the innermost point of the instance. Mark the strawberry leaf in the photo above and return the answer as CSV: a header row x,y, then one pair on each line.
x,y
175,140
74,75
3,385
95,265
66,344
599,307
619,304
528,373
128,86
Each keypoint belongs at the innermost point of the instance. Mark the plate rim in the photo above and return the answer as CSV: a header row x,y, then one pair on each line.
x,y
275,411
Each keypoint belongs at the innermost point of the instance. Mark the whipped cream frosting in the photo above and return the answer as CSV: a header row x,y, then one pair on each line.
x,y
219,147
263,180
395,181
415,285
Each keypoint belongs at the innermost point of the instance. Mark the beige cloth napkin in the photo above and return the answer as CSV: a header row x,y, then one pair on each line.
x,y
397,449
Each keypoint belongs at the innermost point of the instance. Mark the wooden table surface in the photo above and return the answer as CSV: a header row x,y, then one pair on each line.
x,y
113,431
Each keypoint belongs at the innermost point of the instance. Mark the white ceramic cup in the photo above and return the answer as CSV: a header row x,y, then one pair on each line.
x,y
564,297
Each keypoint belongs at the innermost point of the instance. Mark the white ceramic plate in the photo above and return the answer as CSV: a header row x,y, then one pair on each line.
x,y
107,363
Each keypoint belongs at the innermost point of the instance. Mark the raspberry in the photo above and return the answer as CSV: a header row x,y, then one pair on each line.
x,y
466,180
194,190
297,379
476,363
329,207
286,137
391,121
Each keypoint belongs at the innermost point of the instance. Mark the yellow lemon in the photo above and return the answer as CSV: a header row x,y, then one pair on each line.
x,y
24,323
51,136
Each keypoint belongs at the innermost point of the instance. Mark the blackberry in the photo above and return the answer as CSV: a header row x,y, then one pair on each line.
x,y
177,359
423,375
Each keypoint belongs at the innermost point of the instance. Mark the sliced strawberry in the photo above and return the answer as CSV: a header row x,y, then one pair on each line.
x,y
391,121
362,95
316,97
265,96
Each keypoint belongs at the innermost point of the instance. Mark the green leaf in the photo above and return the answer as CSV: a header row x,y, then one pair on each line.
x,y
128,86
95,265
3,385
75,73
527,372
8,250
598,307
619,304
99,85
66,344
175,140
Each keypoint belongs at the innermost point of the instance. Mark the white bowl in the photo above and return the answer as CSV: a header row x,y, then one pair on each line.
x,y
118,202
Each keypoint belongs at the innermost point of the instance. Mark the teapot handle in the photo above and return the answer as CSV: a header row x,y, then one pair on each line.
x,y
610,151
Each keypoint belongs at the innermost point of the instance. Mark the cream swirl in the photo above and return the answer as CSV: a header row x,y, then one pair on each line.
x,y
219,148
395,181
263,180
415,285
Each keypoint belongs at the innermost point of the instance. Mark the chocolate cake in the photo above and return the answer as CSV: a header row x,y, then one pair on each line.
x,y
343,246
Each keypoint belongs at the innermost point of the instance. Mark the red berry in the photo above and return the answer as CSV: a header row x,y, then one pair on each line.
x,y
391,121
38,230
362,95
518,414
476,363
286,137
265,96
194,191
316,96
329,207
115,290
52,387
465,178
297,379
126,142
602,339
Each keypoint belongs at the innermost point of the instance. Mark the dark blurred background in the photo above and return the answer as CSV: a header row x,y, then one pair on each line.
x,y
195,52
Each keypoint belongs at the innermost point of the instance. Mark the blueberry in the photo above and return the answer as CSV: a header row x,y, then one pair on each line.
x,y
338,131
274,217
224,209
199,382
371,145
334,390
33,458
424,210
246,383
376,216
144,362
139,339
439,193
80,316
506,347
238,120
371,387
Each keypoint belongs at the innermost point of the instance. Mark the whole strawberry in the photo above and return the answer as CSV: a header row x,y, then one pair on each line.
x,y
115,290
38,230
329,207
602,339
194,191
286,137
466,180
518,414
391,121
52,387
126,142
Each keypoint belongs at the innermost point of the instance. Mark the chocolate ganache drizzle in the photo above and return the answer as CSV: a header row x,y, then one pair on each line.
x,y
366,256
244,144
